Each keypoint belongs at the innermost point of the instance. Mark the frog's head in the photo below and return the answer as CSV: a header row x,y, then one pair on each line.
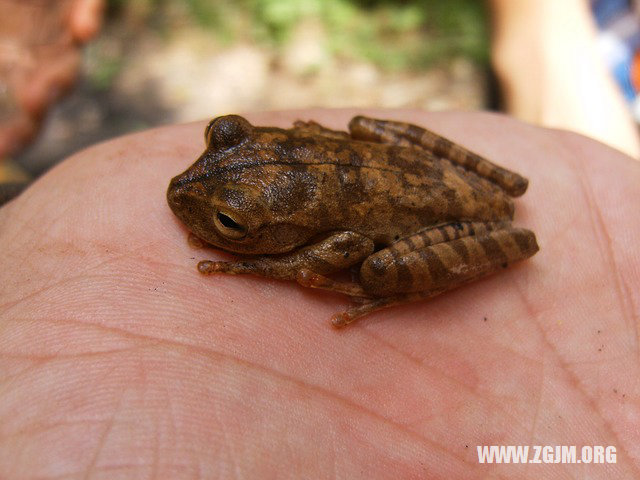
x,y
222,204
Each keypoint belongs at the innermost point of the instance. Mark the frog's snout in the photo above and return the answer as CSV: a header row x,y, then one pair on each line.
x,y
175,194
183,196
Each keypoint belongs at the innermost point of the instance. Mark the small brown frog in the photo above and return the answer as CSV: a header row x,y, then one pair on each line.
x,y
411,212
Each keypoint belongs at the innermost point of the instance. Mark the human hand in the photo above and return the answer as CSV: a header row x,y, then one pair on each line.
x,y
39,60
117,359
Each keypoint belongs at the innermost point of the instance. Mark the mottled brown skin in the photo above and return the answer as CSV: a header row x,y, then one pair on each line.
x,y
413,212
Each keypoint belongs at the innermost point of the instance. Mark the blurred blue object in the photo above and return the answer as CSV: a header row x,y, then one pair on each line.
x,y
606,10
619,41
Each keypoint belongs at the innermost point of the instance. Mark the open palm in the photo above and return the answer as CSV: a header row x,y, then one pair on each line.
x,y
119,360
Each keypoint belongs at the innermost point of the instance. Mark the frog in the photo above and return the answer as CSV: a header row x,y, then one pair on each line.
x,y
410,213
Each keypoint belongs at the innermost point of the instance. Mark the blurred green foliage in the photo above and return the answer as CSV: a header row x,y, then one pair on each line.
x,y
401,34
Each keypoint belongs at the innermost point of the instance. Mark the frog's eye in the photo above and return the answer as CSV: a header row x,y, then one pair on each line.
x,y
229,225
227,131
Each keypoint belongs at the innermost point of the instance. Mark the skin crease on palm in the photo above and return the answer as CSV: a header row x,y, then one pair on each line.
x,y
119,360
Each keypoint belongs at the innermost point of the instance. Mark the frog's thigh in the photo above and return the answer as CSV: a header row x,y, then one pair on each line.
x,y
442,266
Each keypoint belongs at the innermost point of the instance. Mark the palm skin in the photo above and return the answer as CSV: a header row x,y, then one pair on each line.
x,y
118,360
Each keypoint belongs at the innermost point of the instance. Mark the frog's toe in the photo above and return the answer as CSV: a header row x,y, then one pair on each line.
x,y
208,267
341,319
310,279
364,306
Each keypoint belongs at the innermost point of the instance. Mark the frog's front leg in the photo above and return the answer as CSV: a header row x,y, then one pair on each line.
x,y
416,267
400,133
307,265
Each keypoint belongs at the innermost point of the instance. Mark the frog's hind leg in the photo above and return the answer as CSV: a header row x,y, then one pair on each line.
x,y
400,133
369,305
424,238
436,260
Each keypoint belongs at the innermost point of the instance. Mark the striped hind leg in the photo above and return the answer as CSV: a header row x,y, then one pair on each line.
x,y
400,133
424,238
420,266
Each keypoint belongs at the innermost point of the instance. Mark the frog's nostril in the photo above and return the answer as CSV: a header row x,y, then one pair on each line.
x,y
174,200
175,196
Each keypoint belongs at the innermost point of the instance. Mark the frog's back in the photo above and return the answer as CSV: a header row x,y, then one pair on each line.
x,y
383,191
407,187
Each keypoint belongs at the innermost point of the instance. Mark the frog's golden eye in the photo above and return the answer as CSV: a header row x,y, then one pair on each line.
x,y
227,131
229,225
